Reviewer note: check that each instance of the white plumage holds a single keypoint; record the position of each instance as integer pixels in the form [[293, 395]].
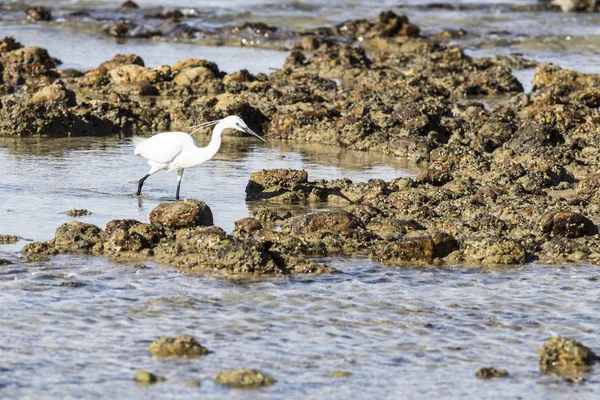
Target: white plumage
[[175, 151]]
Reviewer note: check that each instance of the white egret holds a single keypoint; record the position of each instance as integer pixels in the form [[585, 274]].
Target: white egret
[[175, 151]]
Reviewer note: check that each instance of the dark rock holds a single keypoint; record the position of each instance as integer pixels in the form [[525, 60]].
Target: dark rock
[[491, 372], [152, 233], [365, 213], [388, 24], [9, 44], [274, 178], [78, 212], [434, 177], [568, 224], [561, 249], [78, 236], [122, 59], [130, 5], [182, 214], [72, 284], [532, 136], [121, 237], [38, 14], [247, 225]]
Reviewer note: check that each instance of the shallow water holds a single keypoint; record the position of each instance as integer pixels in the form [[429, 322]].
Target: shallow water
[[43, 178], [401, 332], [92, 50]]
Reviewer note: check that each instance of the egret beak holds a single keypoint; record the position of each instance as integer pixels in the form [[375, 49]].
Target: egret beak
[[251, 132]]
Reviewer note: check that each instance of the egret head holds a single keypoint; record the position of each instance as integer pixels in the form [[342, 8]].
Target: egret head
[[235, 122]]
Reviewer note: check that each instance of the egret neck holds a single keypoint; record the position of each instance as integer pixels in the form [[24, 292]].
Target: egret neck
[[213, 147]]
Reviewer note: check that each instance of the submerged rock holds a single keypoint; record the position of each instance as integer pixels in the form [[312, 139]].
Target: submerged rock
[[565, 356], [8, 239], [147, 378], [180, 346], [244, 378], [78, 212], [491, 372], [340, 374]]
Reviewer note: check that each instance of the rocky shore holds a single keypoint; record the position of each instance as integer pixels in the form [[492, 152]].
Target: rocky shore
[[509, 185]]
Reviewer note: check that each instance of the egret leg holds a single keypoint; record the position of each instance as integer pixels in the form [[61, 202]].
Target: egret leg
[[179, 175], [141, 183]]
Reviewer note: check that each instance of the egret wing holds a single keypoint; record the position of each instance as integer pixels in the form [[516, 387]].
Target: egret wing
[[164, 147]]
